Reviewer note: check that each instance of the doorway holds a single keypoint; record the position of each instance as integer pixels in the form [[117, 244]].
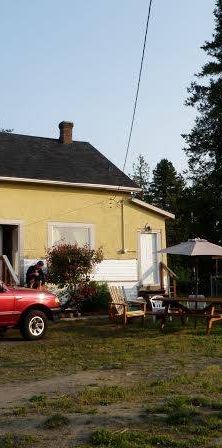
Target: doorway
[[9, 244], [148, 258]]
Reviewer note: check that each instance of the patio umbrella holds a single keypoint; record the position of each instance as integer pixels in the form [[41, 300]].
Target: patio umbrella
[[194, 248]]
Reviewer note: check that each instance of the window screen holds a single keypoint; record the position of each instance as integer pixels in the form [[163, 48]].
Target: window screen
[[70, 235]]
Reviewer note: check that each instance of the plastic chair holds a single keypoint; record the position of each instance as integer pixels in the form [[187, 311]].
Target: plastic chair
[[157, 306]]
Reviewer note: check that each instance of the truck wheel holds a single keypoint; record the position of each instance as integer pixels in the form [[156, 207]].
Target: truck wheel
[[34, 325]]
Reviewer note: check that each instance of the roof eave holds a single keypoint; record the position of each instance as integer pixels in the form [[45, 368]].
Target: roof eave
[[152, 208], [70, 184]]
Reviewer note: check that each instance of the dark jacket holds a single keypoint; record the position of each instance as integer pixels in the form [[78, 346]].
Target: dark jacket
[[30, 275]]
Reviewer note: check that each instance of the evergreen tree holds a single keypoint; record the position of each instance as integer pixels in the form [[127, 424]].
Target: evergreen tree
[[166, 191], [204, 142], [167, 186], [140, 175]]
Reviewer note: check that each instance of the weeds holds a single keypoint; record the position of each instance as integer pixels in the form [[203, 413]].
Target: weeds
[[38, 399], [139, 439], [20, 411], [56, 421], [105, 395], [61, 403], [17, 441], [85, 401]]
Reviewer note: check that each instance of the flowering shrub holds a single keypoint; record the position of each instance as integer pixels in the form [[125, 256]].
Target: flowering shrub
[[70, 266]]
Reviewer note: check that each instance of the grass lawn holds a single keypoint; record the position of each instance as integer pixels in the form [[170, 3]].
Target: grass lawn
[[137, 387]]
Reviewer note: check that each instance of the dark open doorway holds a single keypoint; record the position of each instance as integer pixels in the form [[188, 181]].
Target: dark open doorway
[[9, 244]]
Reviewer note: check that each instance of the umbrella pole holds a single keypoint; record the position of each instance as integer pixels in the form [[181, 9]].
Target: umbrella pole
[[196, 287], [197, 277], [216, 291]]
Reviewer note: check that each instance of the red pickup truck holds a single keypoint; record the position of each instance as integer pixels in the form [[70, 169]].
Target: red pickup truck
[[27, 309]]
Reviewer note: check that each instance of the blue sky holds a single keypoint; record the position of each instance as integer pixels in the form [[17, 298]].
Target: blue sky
[[78, 60]]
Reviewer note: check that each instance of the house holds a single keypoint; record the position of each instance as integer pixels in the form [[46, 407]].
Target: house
[[60, 189]]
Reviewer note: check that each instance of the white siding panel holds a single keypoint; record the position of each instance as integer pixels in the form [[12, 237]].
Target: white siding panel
[[108, 271], [117, 271]]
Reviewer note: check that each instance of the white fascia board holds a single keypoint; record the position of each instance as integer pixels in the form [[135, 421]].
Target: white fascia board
[[152, 208], [70, 184]]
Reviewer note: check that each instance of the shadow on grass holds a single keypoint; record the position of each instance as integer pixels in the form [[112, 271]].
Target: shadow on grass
[[9, 339], [97, 329], [107, 330], [19, 339]]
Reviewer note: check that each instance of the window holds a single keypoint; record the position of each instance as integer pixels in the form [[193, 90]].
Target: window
[[68, 233]]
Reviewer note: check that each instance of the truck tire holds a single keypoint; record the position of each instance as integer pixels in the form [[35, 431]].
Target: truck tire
[[34, 325]]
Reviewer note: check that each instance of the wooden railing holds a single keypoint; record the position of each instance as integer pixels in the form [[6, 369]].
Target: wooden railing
[[171, 276], [8, 275]]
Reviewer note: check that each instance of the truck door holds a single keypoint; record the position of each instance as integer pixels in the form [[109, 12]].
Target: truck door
[[7, 306]]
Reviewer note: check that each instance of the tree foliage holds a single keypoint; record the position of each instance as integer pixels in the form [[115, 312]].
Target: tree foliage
[[140, 174], [198, 204], [70, 265], [166, 187], [6, 131], [167, 191], [204, 142]]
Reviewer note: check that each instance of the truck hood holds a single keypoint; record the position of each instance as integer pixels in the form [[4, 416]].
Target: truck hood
[[33, 292]]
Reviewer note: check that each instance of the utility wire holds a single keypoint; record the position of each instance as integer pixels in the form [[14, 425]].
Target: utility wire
[[111, 200], [48, 218], [138, 84], [131, 128]]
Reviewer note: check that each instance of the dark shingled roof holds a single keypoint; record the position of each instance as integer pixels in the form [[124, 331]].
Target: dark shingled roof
[[39, 158]]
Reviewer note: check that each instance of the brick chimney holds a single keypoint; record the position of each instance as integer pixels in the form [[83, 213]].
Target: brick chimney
[[65, 132]]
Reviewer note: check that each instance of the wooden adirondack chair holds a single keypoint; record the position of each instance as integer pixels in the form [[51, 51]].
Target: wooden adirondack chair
[[118, 306]]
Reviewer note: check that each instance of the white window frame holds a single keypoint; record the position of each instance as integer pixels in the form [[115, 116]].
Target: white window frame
[[89, 227]]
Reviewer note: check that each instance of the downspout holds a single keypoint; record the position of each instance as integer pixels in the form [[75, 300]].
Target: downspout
[[123, 250]]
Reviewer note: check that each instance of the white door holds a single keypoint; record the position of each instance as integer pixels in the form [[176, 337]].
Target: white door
[[148, 259]]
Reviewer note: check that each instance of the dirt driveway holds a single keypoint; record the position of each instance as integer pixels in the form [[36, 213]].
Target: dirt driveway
[[17, 392]]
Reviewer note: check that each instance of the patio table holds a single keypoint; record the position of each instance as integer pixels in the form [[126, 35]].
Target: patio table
[[179, 307], [212, 310]]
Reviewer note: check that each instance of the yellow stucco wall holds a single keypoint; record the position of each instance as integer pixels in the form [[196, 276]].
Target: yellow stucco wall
[[36, 205]]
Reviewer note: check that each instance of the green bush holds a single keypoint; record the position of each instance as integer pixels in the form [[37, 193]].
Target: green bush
[[99, 300]]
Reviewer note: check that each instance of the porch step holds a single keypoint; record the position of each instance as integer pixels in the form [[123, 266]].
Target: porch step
[[147, 291]]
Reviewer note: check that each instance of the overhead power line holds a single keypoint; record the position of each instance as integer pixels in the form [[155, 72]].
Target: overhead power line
[[138, 84]]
